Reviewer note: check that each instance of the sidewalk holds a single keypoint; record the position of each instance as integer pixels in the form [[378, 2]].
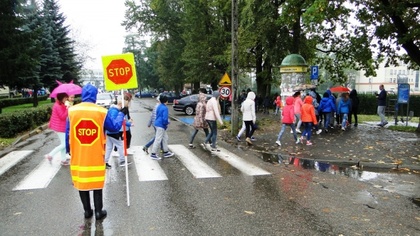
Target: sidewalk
[[365, 146]]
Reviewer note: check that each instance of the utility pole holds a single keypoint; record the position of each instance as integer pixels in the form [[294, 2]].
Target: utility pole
[[235, 113]]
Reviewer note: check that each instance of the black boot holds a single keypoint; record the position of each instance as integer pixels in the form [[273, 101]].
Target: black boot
[[84, 196], [97, 199]]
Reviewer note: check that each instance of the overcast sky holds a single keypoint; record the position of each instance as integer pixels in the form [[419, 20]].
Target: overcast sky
[[97, 23]]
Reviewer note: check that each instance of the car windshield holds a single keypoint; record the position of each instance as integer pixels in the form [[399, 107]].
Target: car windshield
[[103, 96]]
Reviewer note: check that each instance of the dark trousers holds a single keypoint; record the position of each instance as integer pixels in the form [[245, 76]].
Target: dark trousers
[[97, 200], [249, 128]]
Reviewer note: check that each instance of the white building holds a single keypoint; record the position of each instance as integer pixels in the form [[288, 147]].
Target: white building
[[94, 77], [389, 77]]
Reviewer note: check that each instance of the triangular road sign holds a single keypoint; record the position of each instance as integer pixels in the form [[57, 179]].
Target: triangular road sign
[[225, 80]]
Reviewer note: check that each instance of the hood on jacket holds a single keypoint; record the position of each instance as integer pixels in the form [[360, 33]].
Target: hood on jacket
[[353, 93], [289, 100], [308, 99], [251, 95], [89, 93], [329, 92]]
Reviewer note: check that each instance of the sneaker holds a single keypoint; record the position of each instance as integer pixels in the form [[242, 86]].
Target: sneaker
[[168, 154], [253, 139], [191, 146], [385, 123], [65, 163], [278, 143], [308, 143], [238, 138], [297, 140], [108, 166], [248, 140], [48, 157], [326, 130], [297, 131], [155, 157], [122, 163], [343, 129], [319, 131], [215, 149], [146, 150]]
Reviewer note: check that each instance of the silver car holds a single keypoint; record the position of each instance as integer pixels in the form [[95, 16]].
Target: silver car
[[105, 99]]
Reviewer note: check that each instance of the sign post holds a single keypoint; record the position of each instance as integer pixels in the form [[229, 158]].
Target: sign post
[[120, 73]]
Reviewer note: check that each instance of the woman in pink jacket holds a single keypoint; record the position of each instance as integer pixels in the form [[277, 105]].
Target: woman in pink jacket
[[58, 124], [298, 110], [288, 117], [213, 115]]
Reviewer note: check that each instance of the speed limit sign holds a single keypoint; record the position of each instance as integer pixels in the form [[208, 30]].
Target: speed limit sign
[[225, 92]]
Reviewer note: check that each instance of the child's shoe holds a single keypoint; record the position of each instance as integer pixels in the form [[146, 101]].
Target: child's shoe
[[278, 143], [308, 143]]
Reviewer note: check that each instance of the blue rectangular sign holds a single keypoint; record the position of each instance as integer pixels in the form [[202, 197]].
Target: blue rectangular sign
[[314, 72], [403, 93]]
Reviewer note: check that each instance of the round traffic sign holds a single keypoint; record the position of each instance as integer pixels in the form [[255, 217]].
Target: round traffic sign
[[225, 92], [119, 71]]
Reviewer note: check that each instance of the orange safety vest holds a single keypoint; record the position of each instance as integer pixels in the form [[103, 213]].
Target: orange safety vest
[[87, 142]]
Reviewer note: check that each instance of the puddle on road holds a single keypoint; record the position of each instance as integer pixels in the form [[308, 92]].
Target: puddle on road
[[406, 184]]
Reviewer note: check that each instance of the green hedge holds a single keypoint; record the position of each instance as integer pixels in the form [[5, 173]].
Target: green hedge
[[12, 124], [368, 104], [8, 102]]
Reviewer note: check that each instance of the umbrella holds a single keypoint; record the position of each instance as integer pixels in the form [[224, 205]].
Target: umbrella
[[69, 89], [339, 89]]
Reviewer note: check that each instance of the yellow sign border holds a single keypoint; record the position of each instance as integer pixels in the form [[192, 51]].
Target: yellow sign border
[[75, 131], [129, 58]]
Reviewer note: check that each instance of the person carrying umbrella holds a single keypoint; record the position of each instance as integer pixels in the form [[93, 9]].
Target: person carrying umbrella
[[58, 124]]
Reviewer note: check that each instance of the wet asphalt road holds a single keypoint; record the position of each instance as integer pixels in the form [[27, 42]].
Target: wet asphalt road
[[298, 198]]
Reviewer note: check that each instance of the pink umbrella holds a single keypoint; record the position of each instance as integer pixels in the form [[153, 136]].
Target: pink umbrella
[[69, 89]]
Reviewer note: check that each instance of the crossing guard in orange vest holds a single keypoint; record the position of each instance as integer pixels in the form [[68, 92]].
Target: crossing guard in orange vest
[[85, 138]]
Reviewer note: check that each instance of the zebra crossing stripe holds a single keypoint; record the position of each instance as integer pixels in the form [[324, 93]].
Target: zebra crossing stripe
[[239, 163], [42, 175], [11, 159], [195, 165], [147, 168]]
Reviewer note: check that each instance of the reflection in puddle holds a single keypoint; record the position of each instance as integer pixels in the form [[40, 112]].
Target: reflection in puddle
[[402, 183]]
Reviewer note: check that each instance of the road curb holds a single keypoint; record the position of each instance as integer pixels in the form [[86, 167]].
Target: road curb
[[32, 133]]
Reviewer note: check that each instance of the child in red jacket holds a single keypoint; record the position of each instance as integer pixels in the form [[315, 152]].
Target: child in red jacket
[[308, 119], [288, 117]]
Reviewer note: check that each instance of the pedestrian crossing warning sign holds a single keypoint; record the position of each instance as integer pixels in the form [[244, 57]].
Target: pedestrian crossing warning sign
[[225, 81]]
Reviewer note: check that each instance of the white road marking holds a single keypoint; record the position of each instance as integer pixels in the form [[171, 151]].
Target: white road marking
[[11, 159], [195, 165], [239, 163], [147, 168], [42, 175]]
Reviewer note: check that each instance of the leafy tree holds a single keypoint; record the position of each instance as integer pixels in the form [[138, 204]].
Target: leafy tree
[[59, 57], [18, 51]]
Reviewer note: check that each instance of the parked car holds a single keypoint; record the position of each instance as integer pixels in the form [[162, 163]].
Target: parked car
[[187, 104], [105, 99], [144, 94], [171, 96]]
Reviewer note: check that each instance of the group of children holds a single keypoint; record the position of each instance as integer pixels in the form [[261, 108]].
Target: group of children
[[313, 110]]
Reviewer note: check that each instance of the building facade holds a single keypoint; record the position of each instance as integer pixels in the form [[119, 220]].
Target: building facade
[[390, 77]]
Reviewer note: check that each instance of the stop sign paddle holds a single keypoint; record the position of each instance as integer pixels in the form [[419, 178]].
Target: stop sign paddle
[[119, 71]]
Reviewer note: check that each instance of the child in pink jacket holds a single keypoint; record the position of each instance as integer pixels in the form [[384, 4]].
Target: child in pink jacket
[[288, 117], [58, 124]]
